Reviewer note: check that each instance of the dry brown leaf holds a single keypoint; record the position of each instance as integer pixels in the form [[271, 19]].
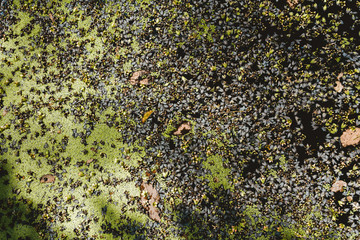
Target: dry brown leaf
[[117, 49], [340, 76], [144, 81], [292, 3], [52, 18], [4, 112], [350, 137], [146, 116], [89, 161], [149, 198], [135, 78], [338, 186], [184, 128], [339, 87], [48, 178]]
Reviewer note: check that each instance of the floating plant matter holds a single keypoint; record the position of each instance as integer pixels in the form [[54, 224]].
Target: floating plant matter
[[242, 116]]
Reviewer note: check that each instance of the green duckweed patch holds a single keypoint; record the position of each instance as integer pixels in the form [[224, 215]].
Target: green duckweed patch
[[219, 174]]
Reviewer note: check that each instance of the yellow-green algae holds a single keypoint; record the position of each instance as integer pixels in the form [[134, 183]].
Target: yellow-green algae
[[28, 185], [219, 174]]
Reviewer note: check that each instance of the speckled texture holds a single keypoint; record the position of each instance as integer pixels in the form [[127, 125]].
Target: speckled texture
[[235, 120]]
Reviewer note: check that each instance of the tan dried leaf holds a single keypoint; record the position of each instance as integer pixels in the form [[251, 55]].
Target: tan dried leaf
[[339, 87], [292, 3], [117, 49], [144, 81], [89, 161], [146, 115], [183, 128], [338, 186], [135, 78], [350, 137], [149, 198], [4, 112], [52, 18], [340, 76], [48, 178]]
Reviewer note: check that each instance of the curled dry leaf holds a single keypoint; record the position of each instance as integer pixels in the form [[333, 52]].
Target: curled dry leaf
[[340, 76], [149, 198], [338, 186], [4, 112], [117, 49], [339, 87], [144, 81], [52, 18], [48, 178], [350, 137], [184, 128], [136, 78], [146, 116], [89, 161], [292, 3]]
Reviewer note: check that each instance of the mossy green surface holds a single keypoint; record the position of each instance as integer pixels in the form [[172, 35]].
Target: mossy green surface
[[219, 174], [81, 191]]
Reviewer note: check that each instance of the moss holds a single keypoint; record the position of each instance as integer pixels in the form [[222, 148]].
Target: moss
[[283, 162], [127, 67], [219, 174], [20, 231], [286, 232]]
